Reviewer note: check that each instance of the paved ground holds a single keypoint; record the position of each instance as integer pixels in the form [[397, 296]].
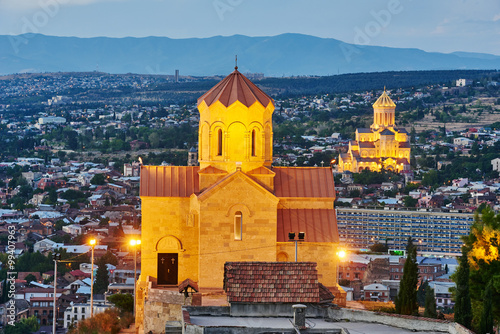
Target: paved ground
[[285, 324]]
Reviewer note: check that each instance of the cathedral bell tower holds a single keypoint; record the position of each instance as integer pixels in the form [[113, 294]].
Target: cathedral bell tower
[[235, 131]]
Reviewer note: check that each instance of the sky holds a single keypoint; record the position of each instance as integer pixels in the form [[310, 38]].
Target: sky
[[430, 25]]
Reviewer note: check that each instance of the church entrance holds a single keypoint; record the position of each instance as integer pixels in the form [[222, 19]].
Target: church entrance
[[167, 268]]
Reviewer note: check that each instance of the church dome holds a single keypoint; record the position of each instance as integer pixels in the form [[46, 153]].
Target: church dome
[[235, 87], [384, 101]]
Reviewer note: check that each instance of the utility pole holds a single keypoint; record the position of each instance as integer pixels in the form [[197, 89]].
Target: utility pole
[[57, 257]]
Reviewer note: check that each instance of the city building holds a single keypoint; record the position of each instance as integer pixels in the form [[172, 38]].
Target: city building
[[43, 309], [382, 146], [234, 206], [433, 232], [80, 311]]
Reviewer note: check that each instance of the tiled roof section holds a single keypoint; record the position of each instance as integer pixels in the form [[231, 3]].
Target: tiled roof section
[[319, 225], [303, 182], [235, 87], [188, 283], [169, 181], [364, 130], [325, 295], [271, 282]]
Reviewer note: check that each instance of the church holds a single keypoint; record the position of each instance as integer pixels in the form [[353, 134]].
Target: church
[[382, 146], [235, 206]]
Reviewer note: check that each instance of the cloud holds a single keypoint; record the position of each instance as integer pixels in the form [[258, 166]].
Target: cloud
[[496, 17]]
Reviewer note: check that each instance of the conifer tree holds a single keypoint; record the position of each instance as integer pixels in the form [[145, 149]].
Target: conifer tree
[[422, 293], [463, 308], [430, 304], [406, 303], [101, 277], [486, 324]]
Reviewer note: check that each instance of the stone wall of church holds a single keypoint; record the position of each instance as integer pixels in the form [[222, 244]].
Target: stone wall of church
[[217, 239], [323, 253], [169, 226]]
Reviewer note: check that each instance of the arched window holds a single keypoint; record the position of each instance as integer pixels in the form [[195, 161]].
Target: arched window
[[253, 144], [219, 142], [238, 225]]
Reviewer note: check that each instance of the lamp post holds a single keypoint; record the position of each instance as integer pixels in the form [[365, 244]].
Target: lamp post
[[134, 243], [92, 243], [340, 255], [57, 257], [291, 238]]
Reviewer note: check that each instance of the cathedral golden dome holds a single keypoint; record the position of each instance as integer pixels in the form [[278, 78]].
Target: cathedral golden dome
[[384, 101]]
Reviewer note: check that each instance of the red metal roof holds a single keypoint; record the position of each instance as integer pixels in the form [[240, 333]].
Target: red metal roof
[[235, 87], [271, 282], [169, 181], [319, 225], [303, 182]]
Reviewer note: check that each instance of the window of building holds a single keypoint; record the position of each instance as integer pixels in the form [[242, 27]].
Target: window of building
[[68, 317], [219, 142], [253, 144], [83, 309], [238, 225], [347, 275]]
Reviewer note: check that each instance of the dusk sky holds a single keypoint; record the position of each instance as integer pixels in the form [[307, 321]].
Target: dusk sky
[[430, 25]]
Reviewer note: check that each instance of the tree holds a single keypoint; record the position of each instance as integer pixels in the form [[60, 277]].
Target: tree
[[378, 248], [463, 308], [406, 303], [486, 324], [430, 304], [30, 278], [422, 292], [124, 301], [101, 277], [484, 260], [98, 179], [24, 326], [410, 202]]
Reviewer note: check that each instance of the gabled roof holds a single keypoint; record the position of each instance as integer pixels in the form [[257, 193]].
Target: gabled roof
[[169, 181], [319, 225], [235, 87], [219, 185], [271, 282], [261, 171], [303, 182], [387, 132], [364, 130]]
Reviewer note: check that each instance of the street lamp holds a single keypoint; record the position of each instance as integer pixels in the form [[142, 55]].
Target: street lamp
[[291, 238], [92, 243], [56, 257], [134, 243], [340, 254]]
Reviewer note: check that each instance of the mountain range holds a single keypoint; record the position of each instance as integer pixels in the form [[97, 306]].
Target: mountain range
[[281, 55]]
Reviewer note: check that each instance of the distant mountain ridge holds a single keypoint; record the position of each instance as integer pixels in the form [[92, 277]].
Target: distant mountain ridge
[[281, 55]]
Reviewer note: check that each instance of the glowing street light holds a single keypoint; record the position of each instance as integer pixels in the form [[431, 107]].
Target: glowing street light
[[340, 255], [92, 243], [134, 243]]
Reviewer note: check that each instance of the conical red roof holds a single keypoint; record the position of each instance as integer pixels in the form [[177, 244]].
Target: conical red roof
[[235, 87]]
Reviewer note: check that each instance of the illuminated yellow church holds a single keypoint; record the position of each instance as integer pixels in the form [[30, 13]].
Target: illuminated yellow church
[[382, 146], [234, 206]]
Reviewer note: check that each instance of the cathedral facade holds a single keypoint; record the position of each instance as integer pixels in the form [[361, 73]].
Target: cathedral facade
[[382, 146], [234, 206]]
